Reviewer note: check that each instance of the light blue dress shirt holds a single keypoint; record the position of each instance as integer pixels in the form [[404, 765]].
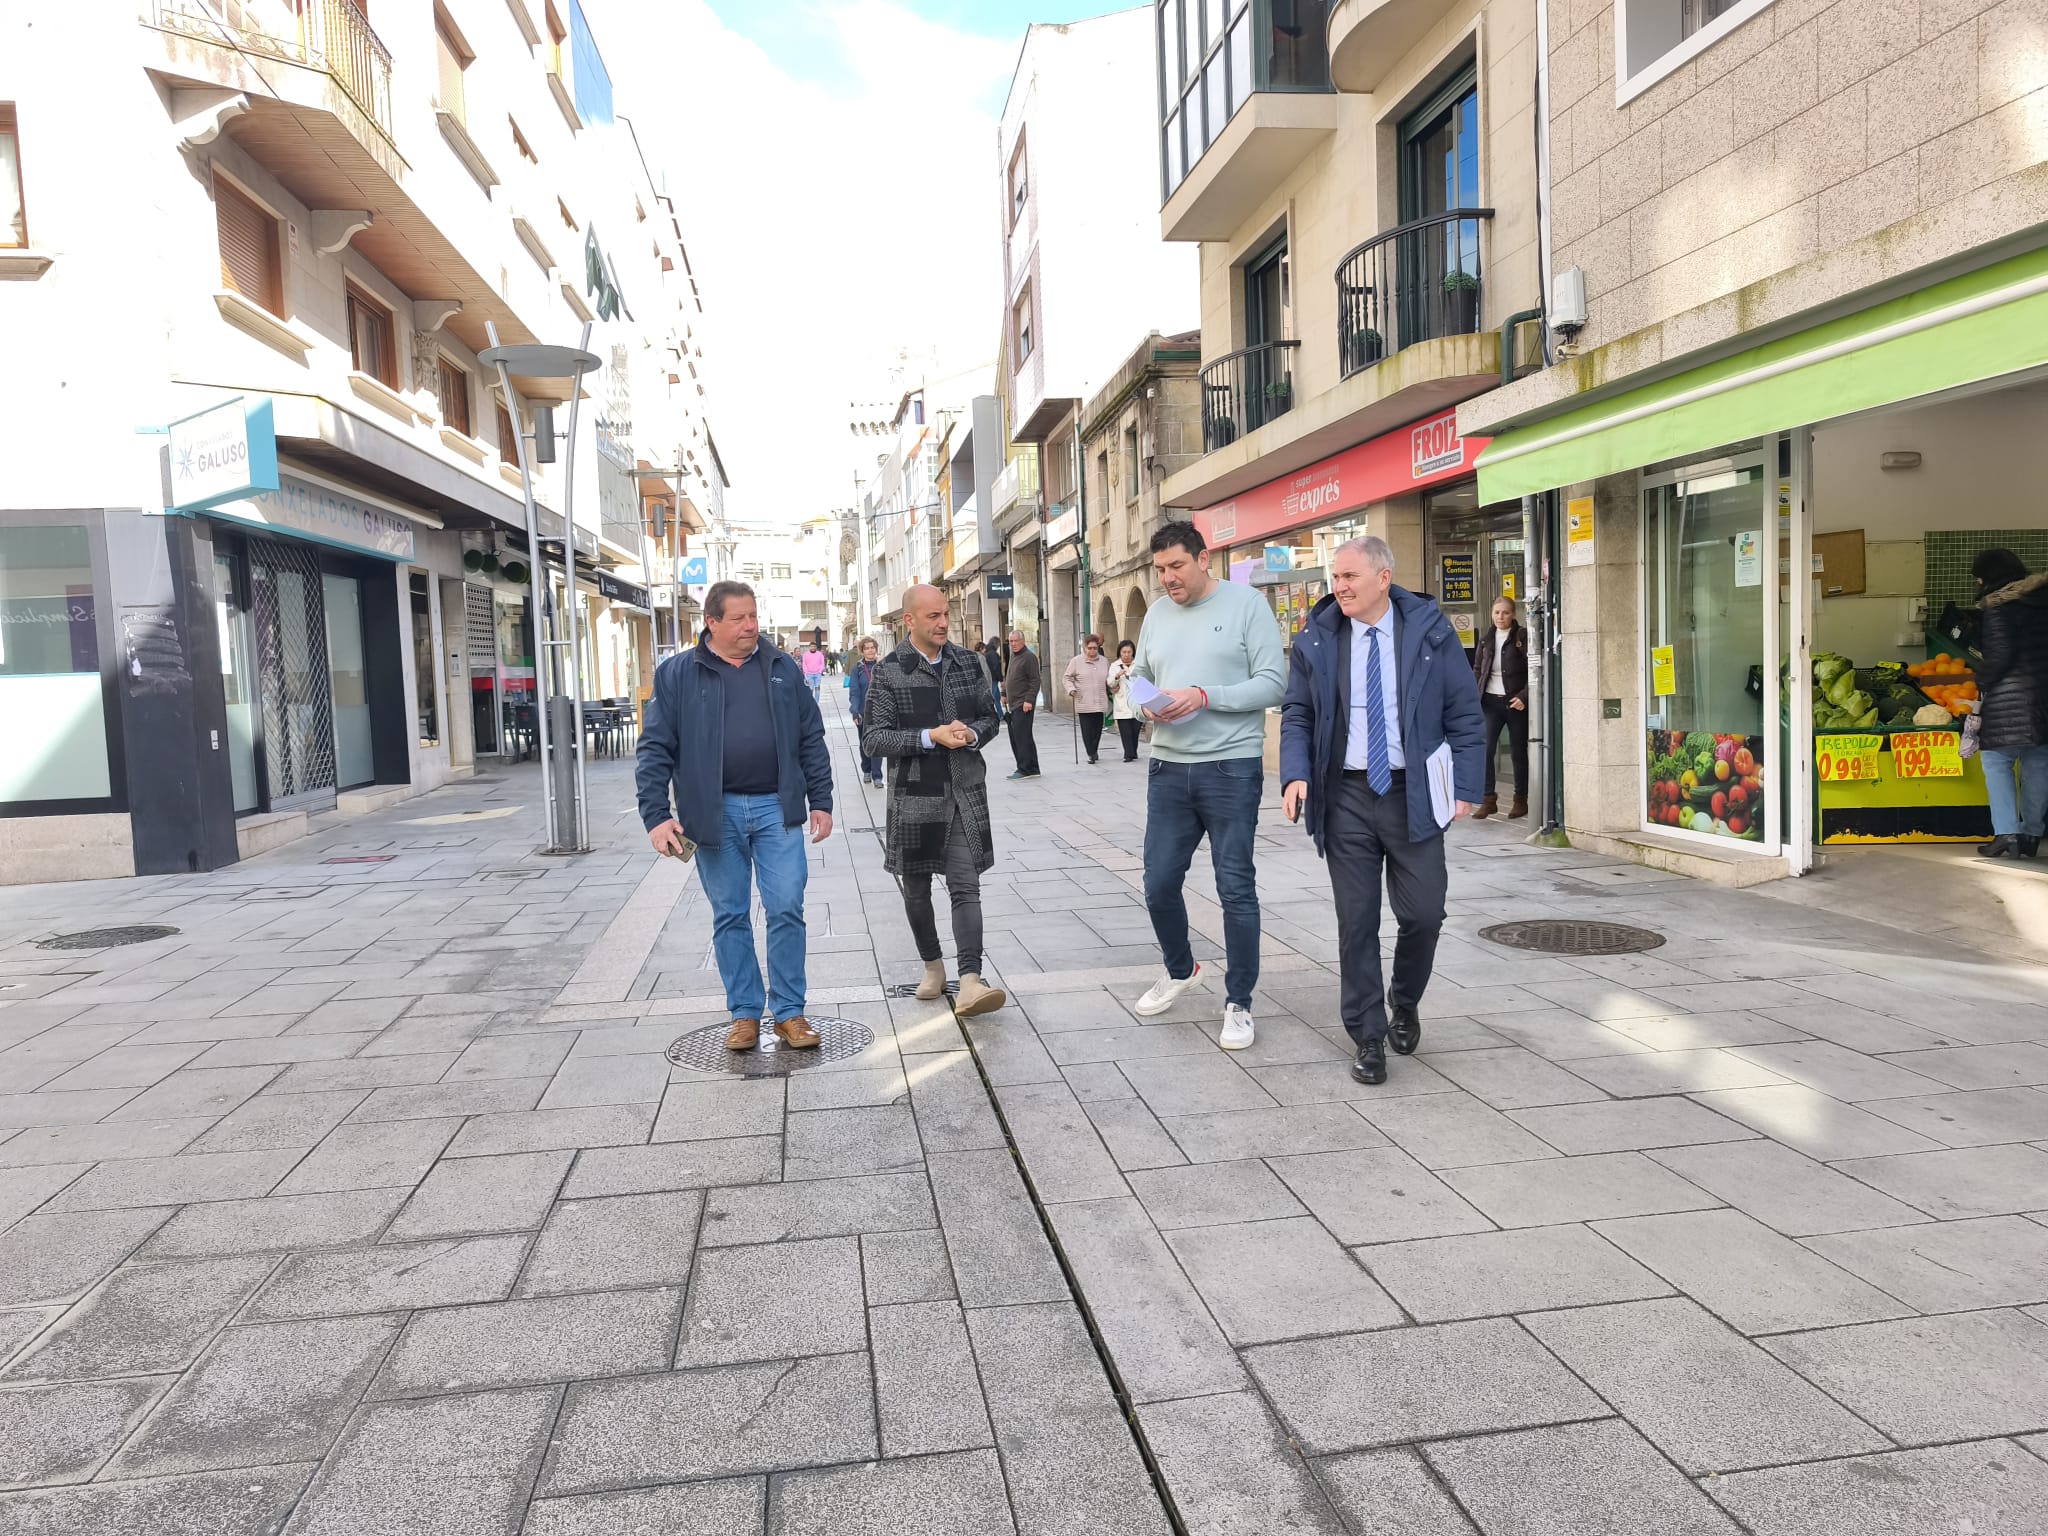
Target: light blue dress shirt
[[1390, 692]]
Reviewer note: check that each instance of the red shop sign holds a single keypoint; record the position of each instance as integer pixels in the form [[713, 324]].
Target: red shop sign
[[1423, 453]]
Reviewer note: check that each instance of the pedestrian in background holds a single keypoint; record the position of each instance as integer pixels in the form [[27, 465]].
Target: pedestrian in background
[[1020, 693], [2012, 683], [1377, 684], [1215, 653], [858, 679], [1087, 684], [814, 669], [1127, 721], [736, 739], [1500, 662], [996, 655], [928, 713]]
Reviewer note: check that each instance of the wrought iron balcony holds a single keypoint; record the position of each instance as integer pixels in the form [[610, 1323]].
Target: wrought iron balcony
[[332, 36], [1416, 282], [1244, 390]]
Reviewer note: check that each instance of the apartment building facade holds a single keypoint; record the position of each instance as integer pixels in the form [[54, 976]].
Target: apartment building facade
[[263, 554], [1800, 373], [1361, 182]]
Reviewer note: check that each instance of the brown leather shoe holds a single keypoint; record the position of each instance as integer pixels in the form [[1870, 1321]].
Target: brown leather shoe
[[796, 1034], [744, 1035], [1490, 806], [1519, 808]]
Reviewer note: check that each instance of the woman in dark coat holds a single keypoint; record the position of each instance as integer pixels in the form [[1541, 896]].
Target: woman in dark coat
[[2012, 682], [1500, 660]]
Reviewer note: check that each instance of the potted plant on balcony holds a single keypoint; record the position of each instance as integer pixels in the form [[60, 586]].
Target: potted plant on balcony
[[1362, 348], [1279, 392], [1222, 432], [1461, 303]]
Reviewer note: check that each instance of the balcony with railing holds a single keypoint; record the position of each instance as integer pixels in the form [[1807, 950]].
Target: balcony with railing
[[1414, 283], [329, 37], [1017, 482], [1244, 390], [1369, 37]]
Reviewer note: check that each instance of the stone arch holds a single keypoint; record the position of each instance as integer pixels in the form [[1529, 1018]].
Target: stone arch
[[1105, 624], [1134, 614]]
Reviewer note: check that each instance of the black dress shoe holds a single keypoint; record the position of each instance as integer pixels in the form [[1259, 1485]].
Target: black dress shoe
[[2003, 846], [1404, 1029], [1371, 1066], [2030, 847]]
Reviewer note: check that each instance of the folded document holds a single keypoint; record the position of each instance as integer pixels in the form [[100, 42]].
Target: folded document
[[1443, 794]]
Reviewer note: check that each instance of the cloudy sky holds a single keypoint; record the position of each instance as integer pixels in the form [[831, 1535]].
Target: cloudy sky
[[834, 166]]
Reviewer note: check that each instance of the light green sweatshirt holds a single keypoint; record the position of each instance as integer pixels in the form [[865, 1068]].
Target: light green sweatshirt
[[1229, 644]]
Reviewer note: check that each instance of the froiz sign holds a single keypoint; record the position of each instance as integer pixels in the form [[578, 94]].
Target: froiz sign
[[1435, 445], [223, 453]]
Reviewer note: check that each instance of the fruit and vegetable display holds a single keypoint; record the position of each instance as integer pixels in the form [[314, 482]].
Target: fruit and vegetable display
[[1704, 782], [1888, 696]]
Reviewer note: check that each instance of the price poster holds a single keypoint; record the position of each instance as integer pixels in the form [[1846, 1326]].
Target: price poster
[[1846, 759], [1927, 755], [1578, 531], [1663, 671]]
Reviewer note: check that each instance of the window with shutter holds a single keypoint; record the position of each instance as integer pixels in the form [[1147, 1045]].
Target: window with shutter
[[249, 261], [13, 220], [373, 346], [453, 393], [508, 449]]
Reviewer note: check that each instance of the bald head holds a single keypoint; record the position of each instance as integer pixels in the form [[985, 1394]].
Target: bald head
[[924, 609]]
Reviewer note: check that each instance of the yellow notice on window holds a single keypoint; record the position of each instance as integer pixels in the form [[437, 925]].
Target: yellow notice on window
[[1846, 759], [1507, 584], [1578, 531], [1927, 754], [1663, 671]]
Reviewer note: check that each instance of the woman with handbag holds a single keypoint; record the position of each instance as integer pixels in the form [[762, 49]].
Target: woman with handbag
[[1127, 721]]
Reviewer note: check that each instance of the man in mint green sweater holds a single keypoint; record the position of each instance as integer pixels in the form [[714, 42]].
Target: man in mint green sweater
[[1214, 652]]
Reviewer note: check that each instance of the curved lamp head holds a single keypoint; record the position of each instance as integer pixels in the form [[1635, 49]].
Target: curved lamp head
[[537, 360]]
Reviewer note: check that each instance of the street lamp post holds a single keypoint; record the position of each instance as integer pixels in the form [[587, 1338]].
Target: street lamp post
[[562, 783]]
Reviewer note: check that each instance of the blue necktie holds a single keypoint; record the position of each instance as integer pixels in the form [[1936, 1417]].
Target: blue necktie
[[1377, 773]]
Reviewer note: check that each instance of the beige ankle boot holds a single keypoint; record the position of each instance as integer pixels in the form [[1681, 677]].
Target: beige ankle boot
[[977, 996], [934, 984]]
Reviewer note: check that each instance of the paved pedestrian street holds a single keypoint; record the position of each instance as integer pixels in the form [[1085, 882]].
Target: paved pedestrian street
[[367, 1202]]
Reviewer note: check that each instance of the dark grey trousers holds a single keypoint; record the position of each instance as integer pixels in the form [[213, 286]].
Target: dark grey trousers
[[1364, 834], [963, 887]]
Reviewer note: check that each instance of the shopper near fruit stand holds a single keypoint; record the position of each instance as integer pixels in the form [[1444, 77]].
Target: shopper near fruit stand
[[1127, 721], [1087, 684], [2012, 680], [1500, 661], [1378, 694]]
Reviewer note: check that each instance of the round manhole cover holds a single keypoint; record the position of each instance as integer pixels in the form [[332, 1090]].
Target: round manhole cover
[[1573, 937], [108, 938], [704, 1049]]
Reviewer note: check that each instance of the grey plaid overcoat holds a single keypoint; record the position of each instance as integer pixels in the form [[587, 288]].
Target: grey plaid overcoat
[[905, 698]]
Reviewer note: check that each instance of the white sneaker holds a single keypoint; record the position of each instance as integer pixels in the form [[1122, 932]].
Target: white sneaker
[[1166, 991], [1237, 1027]]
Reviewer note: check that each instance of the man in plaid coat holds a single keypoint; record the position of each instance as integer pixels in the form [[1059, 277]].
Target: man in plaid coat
[[928, 714]]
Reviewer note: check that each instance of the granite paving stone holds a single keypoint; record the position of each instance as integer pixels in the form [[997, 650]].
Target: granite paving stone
[[98, 1143], [1231, 1469], [65, 1433], [625, 1240], [23, 1189], [193, 1091], [1629, 1125], [706, 1111], [1962, 1376], [1836, 1070], [145, 1318], [1784, 1189], [1132, 1134], [852, 1089], [1996, 1180], [498, 1056], [728, 1507], [1509, 1077], [1706, 1031], [265, 1394], [905, 1266], [1269, 1280], [552, 1130], [1390, 1493], [60, 1257], [772, 1213], [954, 1495], [428, 1101], [1062, 1152], [773, 1300], [1708, 1398], [280, 1050], [524, 1343], [377, 1156], [925, 1381], [175, 1180], [1817, 1125], [284, 1120], [832, 1143], [469, 1195], [1376, 1195], [1558, 1034], [251, 1501], [1574, 1477], [127, 1066], [1974, 1118], [1663, 1072], [1362, 1390], [1989, 1486], [1213, 1194], [2021, 1065], [1606, 1184], [995, 1238], [395, 1277], [607, 1080], [18, 1326], [1006, 1054], [1990, 1261], [1330, 1081], [1162, 1337], [396, 1463], [951, 1106], [674, 1165], [1131, 1042], [1489, 1274], [1240, 1133], [25, 1110], [1452, 1130], [679, 1425], [275, 1223], [1194, 1085], [1067, 1454], [364, 1072]]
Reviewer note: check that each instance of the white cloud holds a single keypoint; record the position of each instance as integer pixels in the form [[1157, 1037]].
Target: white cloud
[[828, 228]]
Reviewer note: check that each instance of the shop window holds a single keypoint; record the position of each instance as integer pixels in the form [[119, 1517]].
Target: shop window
[[13, 217], [426, 690], [372, 341], [452, 57], [1654, 37], [250, 261], [451, 392], [54, 750]]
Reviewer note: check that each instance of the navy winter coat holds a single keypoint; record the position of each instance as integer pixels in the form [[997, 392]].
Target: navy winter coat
[[1439, 702], [859, 678], [684, 743]]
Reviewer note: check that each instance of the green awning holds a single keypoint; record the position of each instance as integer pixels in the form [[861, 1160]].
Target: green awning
[[1982, 325]]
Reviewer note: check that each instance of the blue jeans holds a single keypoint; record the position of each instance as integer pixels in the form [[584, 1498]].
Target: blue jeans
[[757, 850], [1183, 801], [2023, 811]]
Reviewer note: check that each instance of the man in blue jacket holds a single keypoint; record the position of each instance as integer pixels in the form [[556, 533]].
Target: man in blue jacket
[[735, 734], [1378, 682]]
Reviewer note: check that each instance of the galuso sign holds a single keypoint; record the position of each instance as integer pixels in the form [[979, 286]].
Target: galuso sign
[[222, 453], [1410, 458], [307, 510]]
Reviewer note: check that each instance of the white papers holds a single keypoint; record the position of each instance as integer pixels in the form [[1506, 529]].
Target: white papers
[[1143, 694], [1443, 796]]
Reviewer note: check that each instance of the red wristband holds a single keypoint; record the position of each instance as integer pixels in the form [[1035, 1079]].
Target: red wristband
[[1205, 695]]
